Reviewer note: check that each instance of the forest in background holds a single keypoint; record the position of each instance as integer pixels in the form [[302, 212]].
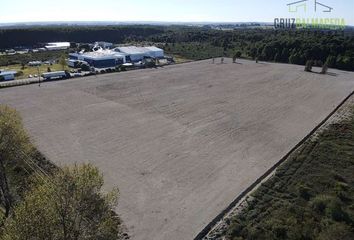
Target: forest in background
[[336, 48]]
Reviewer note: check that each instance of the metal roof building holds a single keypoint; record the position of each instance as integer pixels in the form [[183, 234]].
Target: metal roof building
[[155, 52], [138, 53], [100, 58], [104, 58]]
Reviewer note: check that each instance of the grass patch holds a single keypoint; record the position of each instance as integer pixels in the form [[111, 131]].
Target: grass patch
[[311, 196], [33, 70]]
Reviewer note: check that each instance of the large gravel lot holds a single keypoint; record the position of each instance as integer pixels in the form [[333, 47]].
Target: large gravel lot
[[180, 142]]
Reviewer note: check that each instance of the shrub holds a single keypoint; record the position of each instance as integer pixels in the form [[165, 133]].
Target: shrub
[[235, 56], [336, 231], [280, 231], [18, 74], [304, 192], [320, 202], [68, 205], [336, 212]]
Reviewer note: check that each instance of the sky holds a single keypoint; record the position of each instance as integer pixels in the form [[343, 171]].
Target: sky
[[166, 10]]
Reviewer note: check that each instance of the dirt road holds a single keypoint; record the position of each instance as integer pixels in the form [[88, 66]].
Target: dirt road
[[181, 142]]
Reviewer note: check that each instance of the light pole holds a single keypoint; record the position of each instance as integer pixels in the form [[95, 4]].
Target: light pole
[[39, 77]]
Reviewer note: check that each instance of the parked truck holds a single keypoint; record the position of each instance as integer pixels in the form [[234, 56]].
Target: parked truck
[[55, 75]]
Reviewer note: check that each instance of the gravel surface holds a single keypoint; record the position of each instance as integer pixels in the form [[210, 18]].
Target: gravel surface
[[181, 142]]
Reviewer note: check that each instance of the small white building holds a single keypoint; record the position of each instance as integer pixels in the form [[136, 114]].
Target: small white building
[[7, 75], [57, 46]]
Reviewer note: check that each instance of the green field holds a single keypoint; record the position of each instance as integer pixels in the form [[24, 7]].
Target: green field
[[310, 197]]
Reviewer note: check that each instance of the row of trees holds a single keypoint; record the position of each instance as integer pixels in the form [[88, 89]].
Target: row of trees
[[39, 201], [286, 46]]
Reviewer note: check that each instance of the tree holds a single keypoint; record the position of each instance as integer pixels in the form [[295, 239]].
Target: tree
[[68, 205], [15, 146], [236, 55], [268, 53], [324, 68], [297, 58], [62, 61], [308, 66], [277, 57], [345, 62], [253, 52], [23, 64], [331, 61], [285, 55]]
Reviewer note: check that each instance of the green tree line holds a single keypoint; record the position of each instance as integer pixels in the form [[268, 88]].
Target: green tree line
[[295, 46], [285, 46], [33, 36]]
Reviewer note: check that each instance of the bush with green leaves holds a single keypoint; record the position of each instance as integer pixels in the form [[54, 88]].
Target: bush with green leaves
[[70, 205]]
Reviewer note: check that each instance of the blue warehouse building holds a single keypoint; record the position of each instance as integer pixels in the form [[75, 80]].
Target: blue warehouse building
[[99, 59]]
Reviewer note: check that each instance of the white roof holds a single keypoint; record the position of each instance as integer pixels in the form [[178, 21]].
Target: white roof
[[133, 50], [102, 54], [58, 44], [106, 43], [153, 48], [3, 73]]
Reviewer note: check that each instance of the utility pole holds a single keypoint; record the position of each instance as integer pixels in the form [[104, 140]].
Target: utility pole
[[39, 77]]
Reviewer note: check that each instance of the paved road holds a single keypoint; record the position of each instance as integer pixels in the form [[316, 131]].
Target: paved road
[[181, 142]]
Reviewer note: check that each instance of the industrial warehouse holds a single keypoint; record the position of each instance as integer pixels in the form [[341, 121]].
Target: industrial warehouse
[[83, 59], [102, 58]]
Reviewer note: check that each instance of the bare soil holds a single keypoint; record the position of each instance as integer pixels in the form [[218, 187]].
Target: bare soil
[[183, 141]]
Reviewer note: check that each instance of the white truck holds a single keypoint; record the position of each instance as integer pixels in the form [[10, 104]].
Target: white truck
[[54, 75]]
